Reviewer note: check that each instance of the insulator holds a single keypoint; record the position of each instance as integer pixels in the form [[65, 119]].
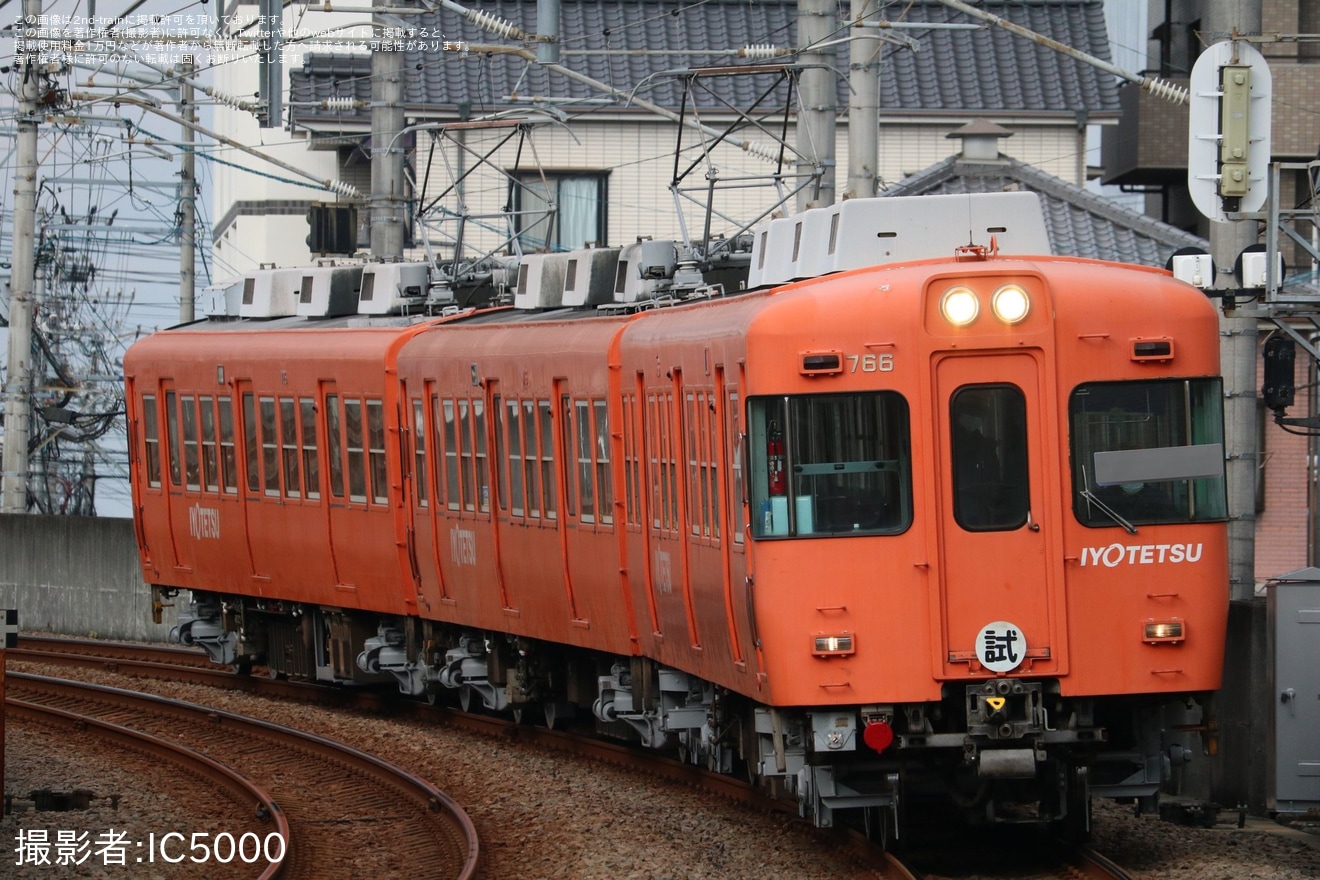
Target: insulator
[[762, 51], [761, 151], [1160, 88], [231, 101], [340, 103], [495, 25], [342, 188]]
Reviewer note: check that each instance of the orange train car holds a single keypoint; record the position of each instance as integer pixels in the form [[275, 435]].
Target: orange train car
[[946, 530]]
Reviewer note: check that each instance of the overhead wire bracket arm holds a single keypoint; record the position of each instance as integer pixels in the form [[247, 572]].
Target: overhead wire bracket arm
[[1174, 94]]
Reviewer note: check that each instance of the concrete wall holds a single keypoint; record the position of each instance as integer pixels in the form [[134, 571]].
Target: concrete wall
[[76, 576]]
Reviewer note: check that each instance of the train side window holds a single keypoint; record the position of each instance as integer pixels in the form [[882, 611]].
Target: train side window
[[666, 464], [210, 448], [736, 439], [465, 455], [989, 444], [585, 476], [250, 443], [703, 493], [228, 454], [480, 457], [829, 465], [532, 461], [270, 446], [419, 454], [517, 473], [376, 451], [311, 470], [451, 456], [604, 488], [655, 431], [289, 447], [696, 481], [713, 467], [442, 416], [357, 479], [151, 440], [188, 412], [547, 459], [499, 464], [172, 436], [630, 512], [333, 445], [570, 454]]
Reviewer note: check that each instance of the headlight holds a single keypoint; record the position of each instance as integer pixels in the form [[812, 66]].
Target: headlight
[[1010, 303], [959, 306], [1171, 630]]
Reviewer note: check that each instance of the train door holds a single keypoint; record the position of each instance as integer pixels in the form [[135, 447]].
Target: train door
[[998, 583]]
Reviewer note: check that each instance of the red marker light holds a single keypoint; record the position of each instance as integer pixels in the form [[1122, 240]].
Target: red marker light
[[878, 735]]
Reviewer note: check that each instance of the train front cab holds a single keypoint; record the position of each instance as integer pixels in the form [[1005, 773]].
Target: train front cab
[[938, 570]]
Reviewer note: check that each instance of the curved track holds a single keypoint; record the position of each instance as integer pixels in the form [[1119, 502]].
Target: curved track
[[185, 664], [334, 800]]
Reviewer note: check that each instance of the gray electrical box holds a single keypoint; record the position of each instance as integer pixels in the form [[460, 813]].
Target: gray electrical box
[[1293, 608]]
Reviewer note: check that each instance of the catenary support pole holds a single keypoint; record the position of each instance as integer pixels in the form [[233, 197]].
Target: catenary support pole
[[23, 262]]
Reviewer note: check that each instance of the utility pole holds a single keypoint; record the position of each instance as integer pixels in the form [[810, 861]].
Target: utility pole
[[387, 147], [187, 197], [1237, 331], [864, 102], [18, 382], [817, 23]]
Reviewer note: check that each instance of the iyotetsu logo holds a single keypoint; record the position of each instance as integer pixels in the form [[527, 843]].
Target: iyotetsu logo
[[1141, 554], [204, 522]]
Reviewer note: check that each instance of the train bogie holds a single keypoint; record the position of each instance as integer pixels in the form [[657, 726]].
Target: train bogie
[[942, 528]]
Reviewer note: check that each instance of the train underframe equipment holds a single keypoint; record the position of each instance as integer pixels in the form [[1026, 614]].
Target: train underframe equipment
[[1002, 750]]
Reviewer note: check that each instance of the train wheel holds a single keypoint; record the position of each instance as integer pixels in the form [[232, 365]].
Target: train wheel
[[551, 714], [466, 698], [1075, 827], [241, 667], [432, 695]]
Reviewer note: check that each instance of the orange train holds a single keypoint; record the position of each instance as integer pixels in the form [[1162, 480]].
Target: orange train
[[944, 530]]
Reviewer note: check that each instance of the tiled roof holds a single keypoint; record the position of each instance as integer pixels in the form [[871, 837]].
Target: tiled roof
[[986, 70], [1079, 222]]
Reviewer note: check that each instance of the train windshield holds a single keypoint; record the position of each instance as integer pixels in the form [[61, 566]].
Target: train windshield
[[1148, 452], [829, 465]]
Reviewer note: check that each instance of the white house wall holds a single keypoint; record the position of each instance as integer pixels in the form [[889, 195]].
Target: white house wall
[[636, 153], [281, 239]]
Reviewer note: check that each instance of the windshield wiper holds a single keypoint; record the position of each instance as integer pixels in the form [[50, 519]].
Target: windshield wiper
[[1108, 511]]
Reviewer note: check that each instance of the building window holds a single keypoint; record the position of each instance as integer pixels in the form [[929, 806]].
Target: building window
[[559, 212]]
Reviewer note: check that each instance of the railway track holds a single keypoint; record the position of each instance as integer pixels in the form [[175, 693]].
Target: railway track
[[190, 665], [329, 802]]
